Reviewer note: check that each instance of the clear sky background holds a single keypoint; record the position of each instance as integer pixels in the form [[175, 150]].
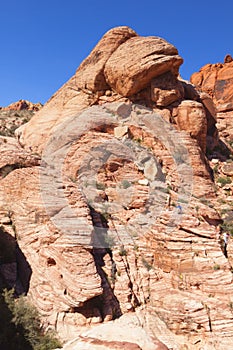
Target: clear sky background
[[43, 42]]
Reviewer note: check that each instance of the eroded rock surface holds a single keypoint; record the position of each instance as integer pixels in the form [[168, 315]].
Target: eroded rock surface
[[122, 64], [136, 62], [113, 203]]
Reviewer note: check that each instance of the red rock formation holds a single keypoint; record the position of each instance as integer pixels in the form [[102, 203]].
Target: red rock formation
[[191, 117], [120, 217], [90, 74], [136, 62], [107, 76], [166, 89], [21, 105], [15, 115], [217, 81]]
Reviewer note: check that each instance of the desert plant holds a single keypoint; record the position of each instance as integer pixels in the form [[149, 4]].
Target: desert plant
[[227, 226], [138, 140], [125, 184], [224, 180], [22, 328], [123, 251], [100, 186], [216, 168], [146, 264]]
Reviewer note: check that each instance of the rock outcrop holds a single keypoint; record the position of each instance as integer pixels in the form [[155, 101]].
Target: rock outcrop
[[124, 333], [22, 105], [90, 74], [114, 70], [135, 63], [217, 81], [15, 115], [191, 117], [113, 203]]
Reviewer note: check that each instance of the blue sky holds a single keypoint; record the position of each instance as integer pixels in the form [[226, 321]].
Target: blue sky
[[43, 42]]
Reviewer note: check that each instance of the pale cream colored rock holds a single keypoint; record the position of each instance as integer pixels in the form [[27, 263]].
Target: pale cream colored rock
[[5, 220], [150, 170], [125, 333], [121, 131], [143, 182], [227, 169]]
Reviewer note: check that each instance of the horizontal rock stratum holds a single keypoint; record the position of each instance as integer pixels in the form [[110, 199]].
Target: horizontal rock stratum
[[114, 205]]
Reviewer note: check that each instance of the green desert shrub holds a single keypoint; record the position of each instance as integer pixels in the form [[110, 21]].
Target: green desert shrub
[[224, 180], [21, 327], [125, 184]]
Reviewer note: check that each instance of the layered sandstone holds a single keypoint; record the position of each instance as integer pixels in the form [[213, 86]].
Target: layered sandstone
[[149, 58], [116, 212], [116, 68]]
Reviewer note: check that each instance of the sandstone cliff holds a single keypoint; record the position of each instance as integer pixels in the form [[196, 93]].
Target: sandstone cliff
[[112, 200]]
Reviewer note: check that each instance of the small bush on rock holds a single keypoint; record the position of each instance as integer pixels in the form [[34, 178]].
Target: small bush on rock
[[21, 327]]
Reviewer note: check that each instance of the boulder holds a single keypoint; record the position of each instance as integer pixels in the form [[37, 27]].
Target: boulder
[[120, 131], [136, 62], [227, 169]]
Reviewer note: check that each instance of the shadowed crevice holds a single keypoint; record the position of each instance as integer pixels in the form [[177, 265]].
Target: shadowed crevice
[[109, 304]]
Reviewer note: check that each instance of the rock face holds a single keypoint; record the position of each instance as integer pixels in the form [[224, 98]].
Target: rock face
[[166, 89], [217, 81], [113, 203], [121, 64], [191, 117], [90, 75]]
